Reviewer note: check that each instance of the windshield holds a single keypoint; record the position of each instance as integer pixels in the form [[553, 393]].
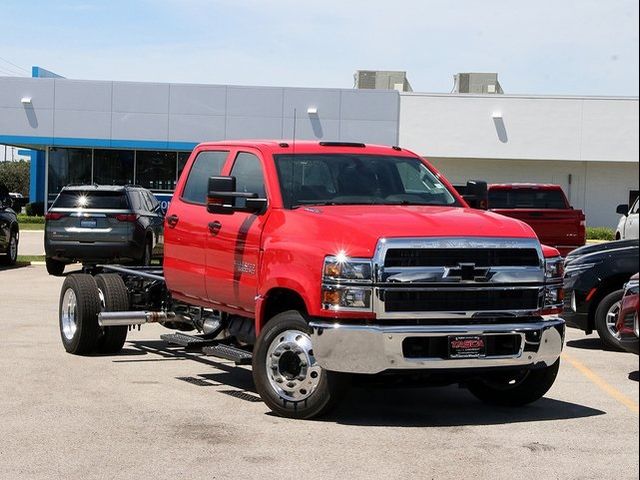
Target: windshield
[[344, 179], [526, 198]]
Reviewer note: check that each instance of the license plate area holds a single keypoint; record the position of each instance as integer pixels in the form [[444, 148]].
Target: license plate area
[[467, 346], [88, 223]]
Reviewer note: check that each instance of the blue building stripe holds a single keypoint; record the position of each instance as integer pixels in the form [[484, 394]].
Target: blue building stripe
[[26, 141]]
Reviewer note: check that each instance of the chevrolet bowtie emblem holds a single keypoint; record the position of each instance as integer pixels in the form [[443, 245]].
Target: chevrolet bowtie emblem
[[468, 272]]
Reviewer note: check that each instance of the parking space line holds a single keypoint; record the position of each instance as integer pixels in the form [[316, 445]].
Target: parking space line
[[601, 383]]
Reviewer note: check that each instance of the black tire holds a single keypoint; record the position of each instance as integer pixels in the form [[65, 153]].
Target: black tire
[[78, 314], [606, 335], [54, 267], [114, 298], [147, 253], [12, 250], [330, 386], [528, 386]]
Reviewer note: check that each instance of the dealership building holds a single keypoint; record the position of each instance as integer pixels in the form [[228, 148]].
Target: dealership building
[[126, 132]]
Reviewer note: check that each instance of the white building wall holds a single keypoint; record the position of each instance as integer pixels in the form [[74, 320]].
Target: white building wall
[[534, 128]]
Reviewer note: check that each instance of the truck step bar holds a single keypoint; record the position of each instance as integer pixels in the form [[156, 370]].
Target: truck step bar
[[190, 342], [229, 352]]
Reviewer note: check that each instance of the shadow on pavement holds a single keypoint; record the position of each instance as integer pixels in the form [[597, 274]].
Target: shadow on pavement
[[590, 344], [444, 407], [374, 406], [14, 267]]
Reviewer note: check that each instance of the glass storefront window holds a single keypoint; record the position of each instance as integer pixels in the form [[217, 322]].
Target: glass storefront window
[[67, 166], [182, 161], [113, 167], [156, 170]]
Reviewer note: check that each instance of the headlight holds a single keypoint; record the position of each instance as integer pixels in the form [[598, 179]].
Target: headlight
[[553, 299], [631, 288], [346, 283], [353, 298], [340, 268], [553, 267]]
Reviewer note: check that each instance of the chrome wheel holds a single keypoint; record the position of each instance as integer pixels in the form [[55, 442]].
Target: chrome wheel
[[612, 317], [291, 367], [68, 314]]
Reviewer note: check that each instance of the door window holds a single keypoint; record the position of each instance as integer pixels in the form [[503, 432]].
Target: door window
[[249, 176], [206, 164]]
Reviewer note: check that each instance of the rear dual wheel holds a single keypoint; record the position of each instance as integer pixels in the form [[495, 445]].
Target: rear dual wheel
[[81, 299]]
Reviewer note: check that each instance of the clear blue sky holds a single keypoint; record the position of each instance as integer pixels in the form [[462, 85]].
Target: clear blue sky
[[538, 47]]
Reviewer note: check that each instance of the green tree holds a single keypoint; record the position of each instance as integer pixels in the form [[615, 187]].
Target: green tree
[[15, 176]]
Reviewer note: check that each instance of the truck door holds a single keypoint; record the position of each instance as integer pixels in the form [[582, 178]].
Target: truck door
[[233, 245], [186, 231]]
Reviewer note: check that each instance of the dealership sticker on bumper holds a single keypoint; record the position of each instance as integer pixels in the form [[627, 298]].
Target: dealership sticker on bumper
[[466, 346]]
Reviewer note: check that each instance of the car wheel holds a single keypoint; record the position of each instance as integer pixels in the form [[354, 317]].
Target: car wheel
[[78, 314], [606, 317], [286, 374], [146, 254], [515, 388], [114, 297], [54, 267], [12, 250]]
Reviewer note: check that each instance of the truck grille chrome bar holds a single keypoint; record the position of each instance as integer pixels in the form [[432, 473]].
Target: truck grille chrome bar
[[457, 277]]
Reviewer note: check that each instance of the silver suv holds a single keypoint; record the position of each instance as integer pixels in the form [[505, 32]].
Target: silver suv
[[100, 224]]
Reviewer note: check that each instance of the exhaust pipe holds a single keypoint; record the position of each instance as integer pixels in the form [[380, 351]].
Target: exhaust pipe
[[122, 319]]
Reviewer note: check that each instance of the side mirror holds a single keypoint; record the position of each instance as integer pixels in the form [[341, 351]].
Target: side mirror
[[623, 209], [475, 194], [6, 202], [222, 195]]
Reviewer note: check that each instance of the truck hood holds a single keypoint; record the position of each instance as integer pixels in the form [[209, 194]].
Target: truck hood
[[357, 228]]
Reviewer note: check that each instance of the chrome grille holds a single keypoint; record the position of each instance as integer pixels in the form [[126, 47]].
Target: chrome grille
[[457, 277], [449, 257]]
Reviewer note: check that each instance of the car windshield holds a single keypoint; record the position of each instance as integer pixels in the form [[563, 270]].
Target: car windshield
[[345, 179], [526, 198], [91, 199]]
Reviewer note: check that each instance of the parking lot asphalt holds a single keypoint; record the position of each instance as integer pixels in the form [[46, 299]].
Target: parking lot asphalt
[[153, 411]]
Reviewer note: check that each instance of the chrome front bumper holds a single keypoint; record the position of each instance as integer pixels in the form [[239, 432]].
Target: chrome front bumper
[[376, 348]]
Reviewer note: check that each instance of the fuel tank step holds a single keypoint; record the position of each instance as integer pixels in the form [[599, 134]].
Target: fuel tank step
[[229, 352], [190, 342]]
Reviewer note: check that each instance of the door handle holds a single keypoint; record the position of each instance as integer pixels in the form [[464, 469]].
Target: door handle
[[214, 227], [172, 221]]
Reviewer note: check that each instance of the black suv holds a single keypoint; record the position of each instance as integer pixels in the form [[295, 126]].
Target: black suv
[[100, 224], [9, 230], [594, 279]]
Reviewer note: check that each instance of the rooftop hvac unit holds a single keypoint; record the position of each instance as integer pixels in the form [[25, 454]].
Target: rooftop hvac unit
[[476, 83], [382, 80]]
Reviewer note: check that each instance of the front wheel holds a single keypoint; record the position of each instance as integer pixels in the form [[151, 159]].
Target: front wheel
[[606, 317], [286, 374], [515, 388]]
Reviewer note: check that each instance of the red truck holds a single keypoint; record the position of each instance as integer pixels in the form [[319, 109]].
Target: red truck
[[314, 262], [543, 206]]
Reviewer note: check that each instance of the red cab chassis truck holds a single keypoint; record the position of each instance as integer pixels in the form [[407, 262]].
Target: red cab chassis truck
[[317, 261]]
